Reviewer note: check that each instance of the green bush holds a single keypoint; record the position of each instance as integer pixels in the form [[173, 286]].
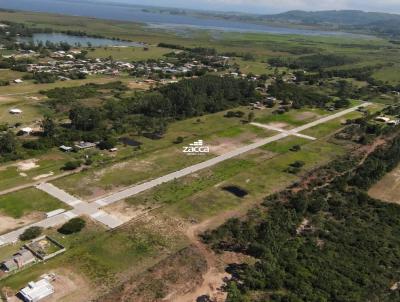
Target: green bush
[[72, 165], [31, 233], [75, 225]]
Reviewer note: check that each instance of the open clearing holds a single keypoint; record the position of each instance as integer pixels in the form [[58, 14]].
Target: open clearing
[[27, 201], [388, 188]]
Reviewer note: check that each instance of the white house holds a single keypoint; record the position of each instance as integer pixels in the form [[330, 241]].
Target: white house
[[27, 130], [15, 111], [36, 291], [18, 81], [382, 119]]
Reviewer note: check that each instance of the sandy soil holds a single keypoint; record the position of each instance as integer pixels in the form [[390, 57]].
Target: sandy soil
[[134, 85], [126, 212], [223, 145], [388, 188], [41, 176], [5, 99], [308, 115], [70, 287], [27, 165], [8, 223]]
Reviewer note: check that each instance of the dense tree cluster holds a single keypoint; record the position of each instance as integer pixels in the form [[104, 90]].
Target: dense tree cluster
[[299, 95], [331, 243]]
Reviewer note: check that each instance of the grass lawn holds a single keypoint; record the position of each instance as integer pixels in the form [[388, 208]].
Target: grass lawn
[[129, 53], [260, 173], [26, 201], [28, 87], [105, 257], [293, 118], [31, 110], [158, 157], [10, 75], [328, 128], [388, 74], [10, 175]]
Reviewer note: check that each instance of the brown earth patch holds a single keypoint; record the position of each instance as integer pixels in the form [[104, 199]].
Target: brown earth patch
[[178, 273], [307, 115], [388, 188], [8, 223], [125, 212]]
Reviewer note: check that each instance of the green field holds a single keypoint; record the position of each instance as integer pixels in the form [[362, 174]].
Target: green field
[[128, 251], [388, 74], [26, 201], [129, 53]]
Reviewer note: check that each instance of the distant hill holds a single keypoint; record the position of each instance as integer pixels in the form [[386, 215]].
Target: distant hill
[[337, 17], [378, 23]]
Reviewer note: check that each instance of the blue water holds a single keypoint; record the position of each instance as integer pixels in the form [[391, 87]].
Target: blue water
[[124, 12], [75, 40]]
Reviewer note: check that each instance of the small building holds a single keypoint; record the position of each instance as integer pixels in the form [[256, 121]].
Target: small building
[[393, 122], [65, 148], [36, 291], [20, 259], [26, 130], [382, 119], [18, 81], [85, 145], [15, 111]]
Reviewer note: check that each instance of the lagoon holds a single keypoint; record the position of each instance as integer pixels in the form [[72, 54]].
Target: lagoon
[[135, 13]]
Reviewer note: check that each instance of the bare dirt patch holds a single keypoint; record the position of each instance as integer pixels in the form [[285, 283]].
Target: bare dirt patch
[[126, 212], [27, 165], [388, 188], [5, 99], [140, 85], [223, 145], [307, 115], [41, 176], [8, 223], [177, 273], [70, 287]]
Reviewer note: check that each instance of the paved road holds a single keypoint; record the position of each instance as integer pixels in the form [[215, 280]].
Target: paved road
[[93, 209], [214, 161], [289, 132]]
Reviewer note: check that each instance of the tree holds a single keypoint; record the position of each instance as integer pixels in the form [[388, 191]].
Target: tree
[[107, 143], [49, 127], [31, 233], [75, 225], [72, 165], [8, 143], [250, 116]]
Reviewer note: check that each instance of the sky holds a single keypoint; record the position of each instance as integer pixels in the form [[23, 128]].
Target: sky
[[275, 6]]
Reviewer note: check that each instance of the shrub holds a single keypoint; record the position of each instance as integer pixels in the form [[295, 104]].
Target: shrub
[[72, 165], [31, 233], [75, 225], [179, 140], [295, 148]]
